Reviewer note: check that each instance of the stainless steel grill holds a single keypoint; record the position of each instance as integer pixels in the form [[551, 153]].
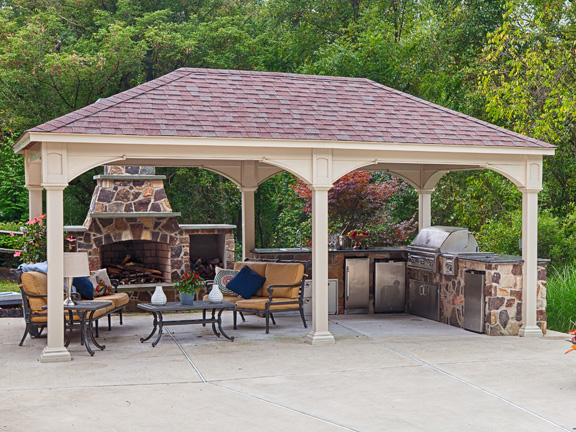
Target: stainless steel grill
[[436, 241]]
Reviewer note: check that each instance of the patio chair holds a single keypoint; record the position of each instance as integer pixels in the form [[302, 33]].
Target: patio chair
[[33, 286]]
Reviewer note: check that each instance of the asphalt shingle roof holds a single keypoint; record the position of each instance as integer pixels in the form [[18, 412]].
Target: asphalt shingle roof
[[263, 105]]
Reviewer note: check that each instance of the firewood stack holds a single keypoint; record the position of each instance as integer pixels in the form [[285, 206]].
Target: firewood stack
[[207, 268], [131, 272]]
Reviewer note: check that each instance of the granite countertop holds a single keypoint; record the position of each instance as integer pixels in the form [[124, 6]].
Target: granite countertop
[[263, 251]]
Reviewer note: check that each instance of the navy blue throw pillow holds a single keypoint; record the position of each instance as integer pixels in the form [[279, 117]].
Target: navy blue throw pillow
[[84, 287], [246, 282]]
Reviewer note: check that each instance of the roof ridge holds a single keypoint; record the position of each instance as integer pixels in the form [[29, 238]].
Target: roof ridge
[[284, 74], [457, 113]]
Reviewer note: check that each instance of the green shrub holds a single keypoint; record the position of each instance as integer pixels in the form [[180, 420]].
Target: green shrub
[[556, 237], [561, 298], [7, 241]]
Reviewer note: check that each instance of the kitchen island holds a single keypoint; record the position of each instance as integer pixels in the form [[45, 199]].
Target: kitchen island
[[502, 279]]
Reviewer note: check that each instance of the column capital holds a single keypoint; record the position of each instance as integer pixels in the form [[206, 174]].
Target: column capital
[[424, 191], [54, 187], [248, 188], [530, 190], [35, 187], [320, 188]]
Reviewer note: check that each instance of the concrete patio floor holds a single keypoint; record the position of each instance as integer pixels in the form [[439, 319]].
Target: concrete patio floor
[[385, 373]]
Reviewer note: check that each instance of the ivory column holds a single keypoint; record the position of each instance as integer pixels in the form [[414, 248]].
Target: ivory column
[[248, 225], [530, 258], [55, 349], [424, 208], [320, 333]]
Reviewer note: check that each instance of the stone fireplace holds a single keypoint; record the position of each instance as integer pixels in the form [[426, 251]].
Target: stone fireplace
[[130, 216], [131, 225]]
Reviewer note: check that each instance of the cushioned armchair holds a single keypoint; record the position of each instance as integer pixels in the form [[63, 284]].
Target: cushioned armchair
[[33, 286]]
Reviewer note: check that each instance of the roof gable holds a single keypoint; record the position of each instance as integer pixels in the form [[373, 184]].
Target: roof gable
[[262, 105]]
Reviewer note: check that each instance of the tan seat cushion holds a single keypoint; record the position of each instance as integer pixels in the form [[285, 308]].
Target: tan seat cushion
[[36, 283], [232, 299], [259, 304], [118, 299], [258, 267], [284, 274]]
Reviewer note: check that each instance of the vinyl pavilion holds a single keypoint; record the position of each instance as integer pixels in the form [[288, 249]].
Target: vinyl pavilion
[[249, 126]]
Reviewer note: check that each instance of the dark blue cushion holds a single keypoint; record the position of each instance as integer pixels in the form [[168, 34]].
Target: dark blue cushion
[[246, 282], [84, 287]]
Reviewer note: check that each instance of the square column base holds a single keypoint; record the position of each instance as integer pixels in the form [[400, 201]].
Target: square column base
[[320, 338], [51, 355], [530, 331]]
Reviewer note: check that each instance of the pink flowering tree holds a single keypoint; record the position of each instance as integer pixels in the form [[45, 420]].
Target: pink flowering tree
[[33, 242], [364, 201]]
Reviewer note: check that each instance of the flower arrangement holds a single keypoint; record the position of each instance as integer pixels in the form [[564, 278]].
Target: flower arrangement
[[358, 233], [189, 283]]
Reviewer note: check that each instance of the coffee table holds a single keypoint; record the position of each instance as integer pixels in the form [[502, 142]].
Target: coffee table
[[160, 322]]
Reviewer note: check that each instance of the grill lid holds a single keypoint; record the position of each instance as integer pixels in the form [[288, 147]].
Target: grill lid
[[441, 239]]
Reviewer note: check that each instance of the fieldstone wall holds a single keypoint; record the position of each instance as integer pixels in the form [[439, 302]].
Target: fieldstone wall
[[503, 296], [125, 195]]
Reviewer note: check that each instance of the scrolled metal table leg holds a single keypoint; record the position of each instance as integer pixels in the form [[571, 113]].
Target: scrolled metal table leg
[[153, 330], [214, 322], [90, 329], [84, 336], [160, 327], [220, 326]]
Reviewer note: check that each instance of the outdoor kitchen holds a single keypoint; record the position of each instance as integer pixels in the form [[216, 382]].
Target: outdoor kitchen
[[441, 276]]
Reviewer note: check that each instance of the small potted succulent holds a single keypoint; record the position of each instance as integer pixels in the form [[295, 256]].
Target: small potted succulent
[[187, 285]]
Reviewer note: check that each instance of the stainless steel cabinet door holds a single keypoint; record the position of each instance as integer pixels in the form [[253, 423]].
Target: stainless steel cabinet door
[[423, 299], [389, 286], [357, 279]]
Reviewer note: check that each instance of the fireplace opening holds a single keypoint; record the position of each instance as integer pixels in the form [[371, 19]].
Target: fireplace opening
[[137, 261], [206, 252]]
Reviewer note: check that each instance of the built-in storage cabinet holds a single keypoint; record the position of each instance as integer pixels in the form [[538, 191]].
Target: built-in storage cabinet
[[423, 299], [389, 286], [357, 285]]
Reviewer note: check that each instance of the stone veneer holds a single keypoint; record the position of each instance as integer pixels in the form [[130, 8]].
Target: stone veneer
[[502, 291], [136, 201]]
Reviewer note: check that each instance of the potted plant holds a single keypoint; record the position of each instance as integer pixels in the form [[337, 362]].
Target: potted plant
[[187, 285]]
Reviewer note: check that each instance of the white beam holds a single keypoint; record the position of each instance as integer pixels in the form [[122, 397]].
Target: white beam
[[55, 350]]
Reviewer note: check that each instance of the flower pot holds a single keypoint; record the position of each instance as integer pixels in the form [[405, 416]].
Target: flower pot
[[187, 299]]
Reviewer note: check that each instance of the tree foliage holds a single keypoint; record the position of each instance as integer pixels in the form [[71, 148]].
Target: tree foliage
[[529, 83], [511, 62], [361, 200]]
